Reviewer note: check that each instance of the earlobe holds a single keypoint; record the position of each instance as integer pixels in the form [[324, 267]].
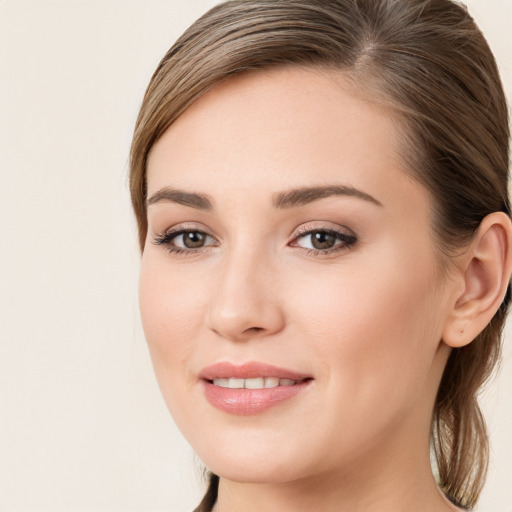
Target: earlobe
[[484, 277]]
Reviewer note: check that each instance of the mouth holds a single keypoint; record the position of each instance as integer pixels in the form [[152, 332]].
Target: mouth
[[251, 388]]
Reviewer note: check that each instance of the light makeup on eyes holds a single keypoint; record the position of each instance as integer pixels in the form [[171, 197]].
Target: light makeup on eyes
[[320, 241]]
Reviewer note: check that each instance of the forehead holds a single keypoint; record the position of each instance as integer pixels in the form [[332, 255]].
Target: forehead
[[280, 127]]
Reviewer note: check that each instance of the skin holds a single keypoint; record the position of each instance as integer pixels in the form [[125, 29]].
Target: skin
[[366, 321]]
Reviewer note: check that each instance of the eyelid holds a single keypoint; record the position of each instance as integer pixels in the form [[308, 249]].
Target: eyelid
[[184, 227], [314, 227]]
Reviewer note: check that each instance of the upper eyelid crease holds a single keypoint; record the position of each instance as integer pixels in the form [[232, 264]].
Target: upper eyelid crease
[[280, 200]]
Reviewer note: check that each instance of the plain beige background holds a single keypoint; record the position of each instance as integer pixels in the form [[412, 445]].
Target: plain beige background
[[82, 423]]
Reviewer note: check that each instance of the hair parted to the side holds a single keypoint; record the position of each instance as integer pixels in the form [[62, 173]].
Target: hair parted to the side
[[430, 63]]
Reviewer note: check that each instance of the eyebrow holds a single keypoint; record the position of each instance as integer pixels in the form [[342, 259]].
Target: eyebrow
[[280, 200], [306, 195], [192, 199]]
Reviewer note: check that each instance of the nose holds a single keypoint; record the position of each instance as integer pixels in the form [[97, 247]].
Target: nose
[[245, 302]]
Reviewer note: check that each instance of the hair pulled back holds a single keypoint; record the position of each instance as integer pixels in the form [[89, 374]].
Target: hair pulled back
[[430, 63]]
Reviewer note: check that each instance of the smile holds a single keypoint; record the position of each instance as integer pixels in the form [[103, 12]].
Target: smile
[[250, 388]]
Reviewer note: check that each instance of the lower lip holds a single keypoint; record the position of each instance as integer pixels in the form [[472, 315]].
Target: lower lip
[[245, 402]]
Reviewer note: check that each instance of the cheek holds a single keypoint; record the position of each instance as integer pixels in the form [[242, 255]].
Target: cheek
[[375, 333], [171, 306]]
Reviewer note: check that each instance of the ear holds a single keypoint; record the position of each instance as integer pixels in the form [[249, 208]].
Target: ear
[[481, 281]]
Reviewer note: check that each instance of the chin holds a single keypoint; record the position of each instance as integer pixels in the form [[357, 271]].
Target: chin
[[257, 472], [256, 462]]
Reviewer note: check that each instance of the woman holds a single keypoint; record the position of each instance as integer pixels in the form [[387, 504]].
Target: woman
[[321, 194]]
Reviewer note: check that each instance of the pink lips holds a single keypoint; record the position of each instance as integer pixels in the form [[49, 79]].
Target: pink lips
[[243, 401]]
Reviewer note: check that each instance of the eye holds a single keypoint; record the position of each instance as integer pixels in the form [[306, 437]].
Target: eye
[[324, 241], [190, 239], [184, 240]]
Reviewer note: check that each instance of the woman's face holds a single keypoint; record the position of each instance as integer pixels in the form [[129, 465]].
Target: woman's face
[[287, 248]]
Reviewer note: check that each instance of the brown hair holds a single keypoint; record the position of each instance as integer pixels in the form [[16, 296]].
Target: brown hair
[[428, 60]]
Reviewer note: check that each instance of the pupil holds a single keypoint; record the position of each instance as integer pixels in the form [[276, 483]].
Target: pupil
[[323, 240], [193, 239]]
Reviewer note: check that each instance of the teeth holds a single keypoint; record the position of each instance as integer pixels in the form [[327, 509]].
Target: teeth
[[255, 383], [271, 382], [236, 383], [258, 383]]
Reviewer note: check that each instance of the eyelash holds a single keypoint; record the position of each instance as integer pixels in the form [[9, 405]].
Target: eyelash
[[347, 241]]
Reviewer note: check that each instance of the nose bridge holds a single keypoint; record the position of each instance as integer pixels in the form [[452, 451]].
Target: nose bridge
[[244, 303]]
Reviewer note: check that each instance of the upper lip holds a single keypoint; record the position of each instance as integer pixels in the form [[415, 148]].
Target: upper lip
[[250, 370]]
